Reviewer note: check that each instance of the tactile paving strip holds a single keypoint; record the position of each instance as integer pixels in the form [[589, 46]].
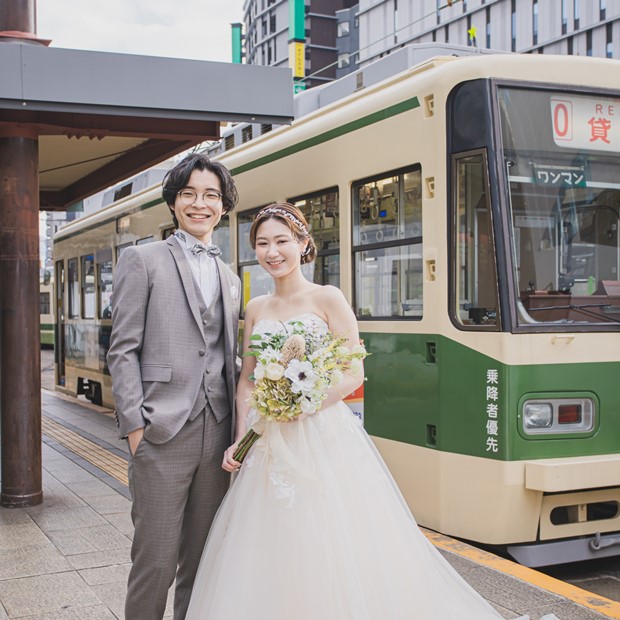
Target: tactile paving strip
[[107, 462]]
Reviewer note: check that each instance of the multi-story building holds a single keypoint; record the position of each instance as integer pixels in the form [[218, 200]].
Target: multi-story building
[[268, 37], [583, 27], [347, 40]]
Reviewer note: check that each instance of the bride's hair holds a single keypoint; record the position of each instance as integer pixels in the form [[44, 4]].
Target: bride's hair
[[294, 219]]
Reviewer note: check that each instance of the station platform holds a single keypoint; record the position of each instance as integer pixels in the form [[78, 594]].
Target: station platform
[[69, 557]]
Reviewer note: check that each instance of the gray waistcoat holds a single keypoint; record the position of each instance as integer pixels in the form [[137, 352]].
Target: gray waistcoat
[[214, 389]]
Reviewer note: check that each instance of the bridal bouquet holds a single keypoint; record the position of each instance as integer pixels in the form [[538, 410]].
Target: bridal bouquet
[[294, 370]]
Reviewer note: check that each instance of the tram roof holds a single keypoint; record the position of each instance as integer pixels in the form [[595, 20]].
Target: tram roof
[[102, 117]]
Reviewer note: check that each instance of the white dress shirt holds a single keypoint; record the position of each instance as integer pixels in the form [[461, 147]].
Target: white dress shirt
[[202, 265]]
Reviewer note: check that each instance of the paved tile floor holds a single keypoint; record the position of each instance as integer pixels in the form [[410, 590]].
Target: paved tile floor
[[69, 557]]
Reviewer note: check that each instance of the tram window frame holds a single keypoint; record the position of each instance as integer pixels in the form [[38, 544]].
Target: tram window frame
[[369, 251], [326, 256], [45, 300], [221, 238], [246, 258], [85, 271], [477, 314], [121, 248], [73, 287], [103, 259]]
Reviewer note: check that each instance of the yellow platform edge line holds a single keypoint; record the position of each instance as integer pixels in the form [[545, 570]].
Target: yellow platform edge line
[[602, 605], [101, 458]]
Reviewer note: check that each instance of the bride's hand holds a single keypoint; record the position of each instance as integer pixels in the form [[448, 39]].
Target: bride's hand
[[229, 464]]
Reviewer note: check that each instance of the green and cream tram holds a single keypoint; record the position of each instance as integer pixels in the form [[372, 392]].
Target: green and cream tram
[[469, 210]]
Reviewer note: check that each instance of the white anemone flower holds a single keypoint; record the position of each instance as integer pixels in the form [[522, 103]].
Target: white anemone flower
[[301, 375], [307, 406]]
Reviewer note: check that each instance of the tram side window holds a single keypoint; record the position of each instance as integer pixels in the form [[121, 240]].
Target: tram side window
[[221, 238], [88, 287], [387, 245], [44, 303], [321, 211], [254, 279], [474, 278], [121, 248], [74, 289], [104, 281]]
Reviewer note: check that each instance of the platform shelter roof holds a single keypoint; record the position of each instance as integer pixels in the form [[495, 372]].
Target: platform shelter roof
[[101, 117]]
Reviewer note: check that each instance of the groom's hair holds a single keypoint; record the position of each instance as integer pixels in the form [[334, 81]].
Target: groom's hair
[[177, 178]]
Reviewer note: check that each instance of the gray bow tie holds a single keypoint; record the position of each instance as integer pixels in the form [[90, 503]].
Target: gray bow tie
[[211, 250]]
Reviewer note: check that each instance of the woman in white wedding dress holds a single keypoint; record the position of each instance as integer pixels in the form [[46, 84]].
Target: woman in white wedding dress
[[314, 527]]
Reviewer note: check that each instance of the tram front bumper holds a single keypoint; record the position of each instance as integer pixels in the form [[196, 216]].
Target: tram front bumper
[[580, 495], [572, 474]]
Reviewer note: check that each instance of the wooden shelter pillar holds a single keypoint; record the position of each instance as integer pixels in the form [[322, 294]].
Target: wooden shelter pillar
[[20, 365]]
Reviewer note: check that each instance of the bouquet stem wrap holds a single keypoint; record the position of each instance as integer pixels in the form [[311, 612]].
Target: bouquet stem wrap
[[248, 440]]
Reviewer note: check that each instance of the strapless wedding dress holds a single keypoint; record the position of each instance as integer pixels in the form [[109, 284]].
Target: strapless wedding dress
[[315, 528]]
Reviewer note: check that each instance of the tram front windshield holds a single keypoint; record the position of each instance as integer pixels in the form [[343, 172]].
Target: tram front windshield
[[562, 159]]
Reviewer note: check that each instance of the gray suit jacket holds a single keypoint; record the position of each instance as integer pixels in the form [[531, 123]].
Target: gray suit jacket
[[157, 348]]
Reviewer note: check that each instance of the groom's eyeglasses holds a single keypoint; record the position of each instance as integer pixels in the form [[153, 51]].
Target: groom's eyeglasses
[[210, 197]]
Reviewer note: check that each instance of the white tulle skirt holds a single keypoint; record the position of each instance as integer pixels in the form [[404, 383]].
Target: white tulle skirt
[[314, 528]]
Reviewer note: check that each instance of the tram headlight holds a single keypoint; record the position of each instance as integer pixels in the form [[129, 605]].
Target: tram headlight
[[548, 415], [537, 415]]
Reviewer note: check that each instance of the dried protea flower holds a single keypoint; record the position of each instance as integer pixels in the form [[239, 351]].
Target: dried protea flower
[[293, 348]]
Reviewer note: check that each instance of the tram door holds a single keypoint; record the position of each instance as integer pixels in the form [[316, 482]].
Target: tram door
[[59, 349]]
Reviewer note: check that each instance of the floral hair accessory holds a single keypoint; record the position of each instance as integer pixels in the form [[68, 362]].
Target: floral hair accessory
[[285, 214]]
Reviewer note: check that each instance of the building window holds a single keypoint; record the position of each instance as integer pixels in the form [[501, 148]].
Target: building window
[[387, 245], [264, 27], [343, 61], [602, 9], [534, 22], [272, 23], [564, 17], [569, 46], [513, 26], [576, 14], [589, 43], [343, 29], [488, 27], [246, 133], [447, 33], [609, 47], [438, 10]]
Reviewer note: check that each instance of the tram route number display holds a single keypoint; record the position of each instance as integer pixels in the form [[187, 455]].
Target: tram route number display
[[580, 122]]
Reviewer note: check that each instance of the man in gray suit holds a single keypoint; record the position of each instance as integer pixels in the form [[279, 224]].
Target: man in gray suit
[[173, 358]]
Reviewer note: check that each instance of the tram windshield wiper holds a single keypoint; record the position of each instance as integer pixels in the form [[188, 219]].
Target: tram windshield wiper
[[583, 308]]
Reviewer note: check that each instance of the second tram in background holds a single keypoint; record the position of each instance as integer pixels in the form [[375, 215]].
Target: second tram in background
[[469, 210]]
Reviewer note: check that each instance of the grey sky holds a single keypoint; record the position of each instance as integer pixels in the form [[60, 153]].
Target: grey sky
[[198, 29]]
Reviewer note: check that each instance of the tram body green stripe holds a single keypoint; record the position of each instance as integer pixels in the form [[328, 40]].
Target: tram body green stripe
[[375, 117], [406, 395]]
